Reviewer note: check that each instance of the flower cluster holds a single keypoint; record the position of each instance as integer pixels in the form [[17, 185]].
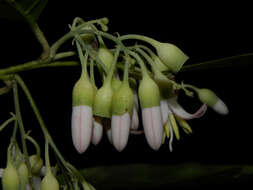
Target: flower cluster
[[131, 75]]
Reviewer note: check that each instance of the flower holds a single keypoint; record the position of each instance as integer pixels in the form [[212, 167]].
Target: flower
[[82, 119], [97, 131], [149, 96]]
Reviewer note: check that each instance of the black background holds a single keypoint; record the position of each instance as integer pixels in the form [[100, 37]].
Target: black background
[[203, 31]]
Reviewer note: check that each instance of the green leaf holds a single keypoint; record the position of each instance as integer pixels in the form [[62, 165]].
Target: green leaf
[[29, 10], [167, 176], [234, 61]]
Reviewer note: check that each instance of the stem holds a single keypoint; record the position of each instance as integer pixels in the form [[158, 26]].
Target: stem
[[42, 40], [64, 55], [139, 37], [37, 147], [92, 78], [39, 118], [34, 65], [6, 123], [112, 67], [125, 77], [21, 128], [48, 170], [83, 59]]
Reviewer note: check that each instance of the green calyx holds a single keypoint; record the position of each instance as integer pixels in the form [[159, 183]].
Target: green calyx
[[23, 175], [149, 93], [10, 178], [49, 182], [159, 64], [116, 83], [83, 92], [36, 163], [106, 56], [123, 100], [103, 101], [87, 38], [207, 96], [171, 56]]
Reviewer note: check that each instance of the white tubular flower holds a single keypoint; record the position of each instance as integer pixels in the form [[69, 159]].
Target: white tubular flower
[[120, 130], [109, 135], [220, 107], [81, 127], [135, 120], [179, 111], [165, 110], [152, 123], [209, 97], [97, 132], [81, 120], [149, 96], [122, 108]]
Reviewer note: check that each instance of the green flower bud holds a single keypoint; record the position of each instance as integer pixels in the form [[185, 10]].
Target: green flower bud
[[36, 164], [23, 175], [103, 101], [105, 56], [83, 92], [171, 56], [49, 182], [149, 94], [105, 20], [160, 65], [87, 38], [207, 96], [10, 179], [115, 84], [123, 100]]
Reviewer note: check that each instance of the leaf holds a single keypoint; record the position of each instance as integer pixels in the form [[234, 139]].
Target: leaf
[[173, 176], [30, 10], [234, 61]]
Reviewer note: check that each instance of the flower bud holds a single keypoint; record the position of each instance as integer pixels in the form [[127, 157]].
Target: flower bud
[[88, 37], [23, 175], [209, 97], [160, 65], [36, 164], [171, 56], [149, 96], [81, 121], [105, 56], [122, 107], [10, 179], [97, 132], [103, 101], [49, 182]]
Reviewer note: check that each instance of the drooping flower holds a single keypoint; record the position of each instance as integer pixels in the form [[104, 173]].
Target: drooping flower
[[122, 108], [97, 132], [209, 97], [81, 121], [149, 96]]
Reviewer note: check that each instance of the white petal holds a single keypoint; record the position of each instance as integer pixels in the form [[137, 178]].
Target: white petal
[[120, 130], [153, 126], [36, 183], [136, 101], [179, 111], [81, 125], [220, 107], [165, 110], [135, 120], [1, 172], [97, 132], [109, 135]]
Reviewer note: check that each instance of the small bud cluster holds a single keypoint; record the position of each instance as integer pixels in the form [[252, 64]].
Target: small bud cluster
[[131, 75]]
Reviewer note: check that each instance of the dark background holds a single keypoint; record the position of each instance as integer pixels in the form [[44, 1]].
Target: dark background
[[203, 31]]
